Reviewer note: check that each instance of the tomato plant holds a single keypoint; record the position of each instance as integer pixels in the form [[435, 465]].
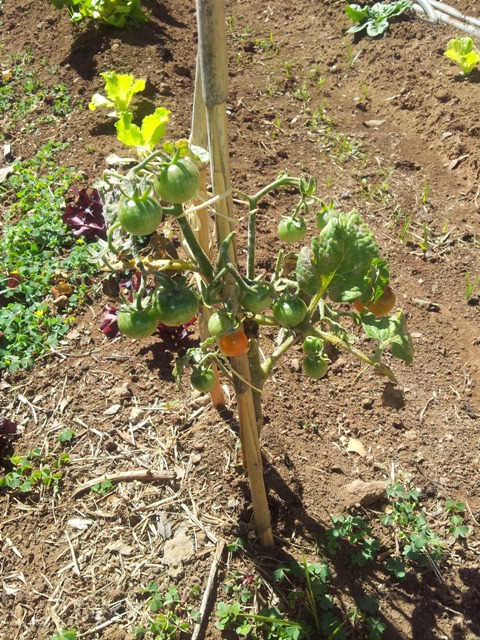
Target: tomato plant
[[234, 344], [302, 300], [178, 182], [138, 324], [140, 216]]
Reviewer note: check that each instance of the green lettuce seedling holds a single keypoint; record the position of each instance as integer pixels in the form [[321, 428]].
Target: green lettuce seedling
[[375, 18], [120, 89], [462, 51]]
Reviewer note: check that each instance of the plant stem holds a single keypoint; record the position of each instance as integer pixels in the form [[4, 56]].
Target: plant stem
[[252, 228], [268, 365], [205, 266]]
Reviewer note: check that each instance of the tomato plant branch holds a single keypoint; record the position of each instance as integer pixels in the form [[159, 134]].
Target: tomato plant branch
[[204, 264], [252, 228], [379, 367], [280, 351]]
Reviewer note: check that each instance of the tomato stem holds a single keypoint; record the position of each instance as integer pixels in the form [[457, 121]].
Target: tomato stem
[[269, 363], [204, 264]]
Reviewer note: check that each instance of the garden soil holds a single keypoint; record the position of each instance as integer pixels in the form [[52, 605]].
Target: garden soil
[[388, 127]]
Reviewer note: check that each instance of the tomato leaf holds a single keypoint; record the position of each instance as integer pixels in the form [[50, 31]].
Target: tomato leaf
[[391, 333], [341, 260]]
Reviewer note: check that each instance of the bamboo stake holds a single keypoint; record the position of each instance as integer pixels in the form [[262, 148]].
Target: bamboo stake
[[214, 75], [199, 137]]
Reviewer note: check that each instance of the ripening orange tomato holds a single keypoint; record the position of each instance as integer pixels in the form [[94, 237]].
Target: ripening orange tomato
[[381, 307], [234, 344]]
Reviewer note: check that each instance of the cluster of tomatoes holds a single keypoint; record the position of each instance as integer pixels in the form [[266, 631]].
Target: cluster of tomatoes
[[174, 303]]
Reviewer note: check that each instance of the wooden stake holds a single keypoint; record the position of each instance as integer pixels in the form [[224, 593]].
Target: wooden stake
[[214, 75], [199, 137]]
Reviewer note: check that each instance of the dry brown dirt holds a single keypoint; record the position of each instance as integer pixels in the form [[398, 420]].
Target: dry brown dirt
[[388, 127]]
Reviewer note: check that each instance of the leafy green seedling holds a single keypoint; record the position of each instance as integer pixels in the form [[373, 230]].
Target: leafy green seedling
[[355, 530], [31, 473], [175, 614], [104, 487], [415, 542], [66, 436], [66, 634], [462, 51], [457, 527], [375, 18], [117, 13], [120, 89]]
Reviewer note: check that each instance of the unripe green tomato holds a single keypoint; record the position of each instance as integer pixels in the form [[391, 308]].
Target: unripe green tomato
[[140, 216], [315, 366], [220, 323], [292, 229], [289, 312], [138, 324], [202, 379], [312, 346], [258, 300], [176, 306], [178, 182]]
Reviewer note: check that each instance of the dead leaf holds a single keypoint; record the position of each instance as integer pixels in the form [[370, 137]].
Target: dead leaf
[[355, 446]]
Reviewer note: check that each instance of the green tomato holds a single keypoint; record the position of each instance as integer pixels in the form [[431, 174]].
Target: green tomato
[[324, 216], [221, 323], [176, 305], [140, 216], [202, 379], [138, 324], [289, 312], [178, 182], [312, 346], [292, 229], [315, 366], [258, 300]]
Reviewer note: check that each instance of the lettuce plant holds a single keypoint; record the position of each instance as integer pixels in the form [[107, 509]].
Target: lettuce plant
[[375, 18], [117, 13], [462, 51]]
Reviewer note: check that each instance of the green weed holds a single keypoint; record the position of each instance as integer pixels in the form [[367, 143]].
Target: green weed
[[174, 614], [66, 634], [32, 473], [104, 487], [406, 522], [471, 285], [37, 249]]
